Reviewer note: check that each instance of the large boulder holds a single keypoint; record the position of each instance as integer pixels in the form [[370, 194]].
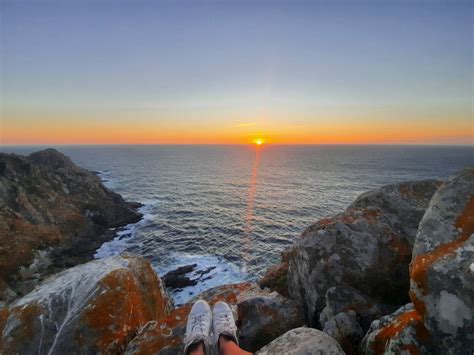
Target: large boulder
[[96, 307], [442, 270], [302, 341], [49, 204], [367, 247], [400, 332], [261, 316]]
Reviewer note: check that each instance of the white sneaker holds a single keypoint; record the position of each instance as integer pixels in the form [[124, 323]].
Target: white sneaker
[[223, 322], [198, 326]]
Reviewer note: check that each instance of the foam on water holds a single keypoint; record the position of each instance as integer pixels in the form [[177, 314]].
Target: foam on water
[[124, 236], [223, 273], [217, 270]]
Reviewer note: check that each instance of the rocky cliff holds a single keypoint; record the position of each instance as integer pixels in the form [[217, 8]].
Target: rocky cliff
[[53, 215], [391, 274]]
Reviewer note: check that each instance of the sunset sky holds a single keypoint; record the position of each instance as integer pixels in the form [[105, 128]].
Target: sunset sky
[[147, 72]]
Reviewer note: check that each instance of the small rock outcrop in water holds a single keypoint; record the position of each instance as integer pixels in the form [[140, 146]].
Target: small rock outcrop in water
[[441, 319], [178, 278], [302, 341], [53, 215], [95, 307]]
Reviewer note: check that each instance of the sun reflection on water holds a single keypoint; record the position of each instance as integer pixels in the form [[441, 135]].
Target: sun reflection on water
[[249, 213]]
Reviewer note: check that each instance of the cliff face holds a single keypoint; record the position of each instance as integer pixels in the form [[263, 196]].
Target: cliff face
[[349, 275], [53, 215]]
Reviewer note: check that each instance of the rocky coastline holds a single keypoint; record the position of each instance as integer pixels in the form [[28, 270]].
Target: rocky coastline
[[393, 273], [53, 215]]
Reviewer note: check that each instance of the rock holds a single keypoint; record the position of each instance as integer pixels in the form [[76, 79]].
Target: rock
[[259, 315], [346, 330], [95, 307], [177, 278], [442, 279], [348, 315], [342, 299], [276, 276], [47, 203], [367, 247], [400, 332], [263, 318], [302, 341]]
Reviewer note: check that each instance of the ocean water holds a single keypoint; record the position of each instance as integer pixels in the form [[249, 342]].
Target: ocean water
[[235, 208]]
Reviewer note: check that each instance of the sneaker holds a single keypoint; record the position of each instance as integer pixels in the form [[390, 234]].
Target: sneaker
[[198, 326], [223, 323]]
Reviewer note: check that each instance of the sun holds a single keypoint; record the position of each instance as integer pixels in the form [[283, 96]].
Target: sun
[[259, 141]]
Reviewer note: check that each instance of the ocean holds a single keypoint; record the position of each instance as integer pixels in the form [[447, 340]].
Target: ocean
[[232, 209]]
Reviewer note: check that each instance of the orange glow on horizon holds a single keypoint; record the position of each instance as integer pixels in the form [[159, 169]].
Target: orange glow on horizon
[[76, 130]]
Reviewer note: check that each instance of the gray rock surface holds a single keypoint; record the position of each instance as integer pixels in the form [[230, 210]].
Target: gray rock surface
[[367, 247], [302, 341], [342, 299], [345, 329], [53, 215], [442, 270], [264, 318], [95, 307]]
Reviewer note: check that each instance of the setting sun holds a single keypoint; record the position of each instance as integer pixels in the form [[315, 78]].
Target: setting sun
[[259, 141]]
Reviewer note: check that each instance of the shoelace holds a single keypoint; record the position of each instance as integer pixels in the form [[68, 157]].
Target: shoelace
[[198, 323]]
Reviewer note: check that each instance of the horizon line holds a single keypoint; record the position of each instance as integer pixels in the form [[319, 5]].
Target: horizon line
[[236, 144]]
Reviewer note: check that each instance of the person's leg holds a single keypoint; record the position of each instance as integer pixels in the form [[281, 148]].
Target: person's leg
[[225, 330], [198, 327], [228, 347], [196, 349]]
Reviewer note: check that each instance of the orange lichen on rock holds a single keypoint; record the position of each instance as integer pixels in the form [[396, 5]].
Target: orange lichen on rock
[[26, 315], [159, 335], [326, 222], [420, 265], [418, 304], [409, 318], [406, 191], [352, 215], [116, 312]]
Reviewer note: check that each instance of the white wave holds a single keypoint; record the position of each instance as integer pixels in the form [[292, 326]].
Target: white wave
[[223, 273], [125, 236]]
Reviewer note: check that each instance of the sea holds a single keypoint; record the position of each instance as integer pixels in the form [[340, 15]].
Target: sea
[[232, 209]]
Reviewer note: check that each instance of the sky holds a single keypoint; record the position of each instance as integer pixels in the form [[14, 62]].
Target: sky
[[191, 72]]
